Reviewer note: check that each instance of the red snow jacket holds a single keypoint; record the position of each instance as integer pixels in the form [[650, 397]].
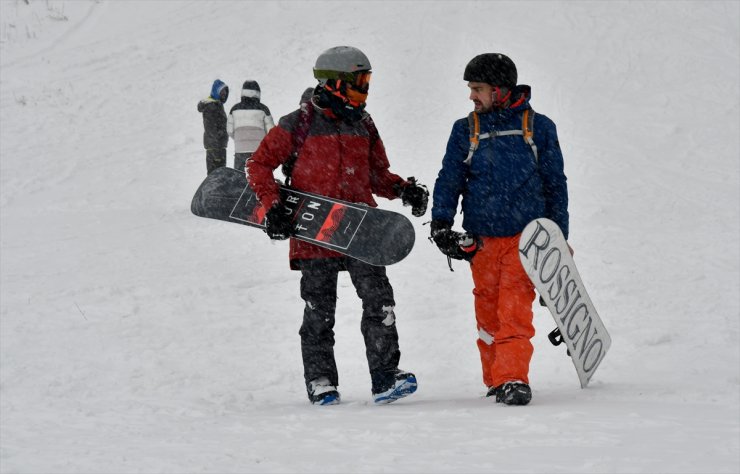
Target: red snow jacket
[[338, 159]]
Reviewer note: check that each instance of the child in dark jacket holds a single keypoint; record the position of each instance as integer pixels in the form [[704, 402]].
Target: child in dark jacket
[[215, 138]]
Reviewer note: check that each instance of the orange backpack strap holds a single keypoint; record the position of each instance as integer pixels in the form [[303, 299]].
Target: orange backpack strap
[[528, 131], [474, 127]]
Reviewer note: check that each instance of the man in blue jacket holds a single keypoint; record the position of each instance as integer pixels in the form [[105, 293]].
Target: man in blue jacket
[[505, 162]]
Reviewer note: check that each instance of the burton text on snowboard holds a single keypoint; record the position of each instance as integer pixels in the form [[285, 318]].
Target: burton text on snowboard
[[372, 235]]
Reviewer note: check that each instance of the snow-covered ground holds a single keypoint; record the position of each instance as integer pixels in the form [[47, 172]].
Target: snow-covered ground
[[135, 337]]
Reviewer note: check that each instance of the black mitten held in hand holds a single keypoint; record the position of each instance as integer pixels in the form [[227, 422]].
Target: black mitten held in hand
[[278, 222], [453, 244], [415, 195]]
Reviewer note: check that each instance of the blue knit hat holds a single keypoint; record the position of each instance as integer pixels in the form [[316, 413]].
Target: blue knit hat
[[219, 90]]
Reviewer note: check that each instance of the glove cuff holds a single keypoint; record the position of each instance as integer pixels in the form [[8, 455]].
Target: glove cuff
[[439, 225]]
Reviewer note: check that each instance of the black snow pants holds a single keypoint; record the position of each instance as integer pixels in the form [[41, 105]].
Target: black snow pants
[[240, 160], [319, 291], [215, 158]]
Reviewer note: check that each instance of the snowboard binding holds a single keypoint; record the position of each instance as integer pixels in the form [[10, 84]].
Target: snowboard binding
[[556, 338]]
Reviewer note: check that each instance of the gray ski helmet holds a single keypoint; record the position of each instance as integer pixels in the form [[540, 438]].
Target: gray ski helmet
[[340, 62], [492, 68]]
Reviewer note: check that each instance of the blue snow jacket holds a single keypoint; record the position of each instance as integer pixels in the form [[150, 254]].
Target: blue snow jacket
[[504, 187]]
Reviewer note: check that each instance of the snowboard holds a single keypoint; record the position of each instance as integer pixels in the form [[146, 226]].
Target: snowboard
[[546, 258], [374, 236]]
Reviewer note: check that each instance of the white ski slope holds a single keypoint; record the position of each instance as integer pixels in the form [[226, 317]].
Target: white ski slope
[[135, 337]]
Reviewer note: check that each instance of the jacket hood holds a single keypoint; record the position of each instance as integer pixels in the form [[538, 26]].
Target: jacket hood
[[217, 88]]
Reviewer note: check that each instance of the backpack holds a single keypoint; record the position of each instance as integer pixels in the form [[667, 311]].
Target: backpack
[[527, 132], [301, 132]]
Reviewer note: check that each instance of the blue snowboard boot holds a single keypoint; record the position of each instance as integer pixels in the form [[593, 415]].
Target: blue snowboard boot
[[321, 392], [398, 384]]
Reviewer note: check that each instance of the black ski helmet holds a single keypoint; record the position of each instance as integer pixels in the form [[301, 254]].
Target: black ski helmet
[[340, 62], [492, 68]]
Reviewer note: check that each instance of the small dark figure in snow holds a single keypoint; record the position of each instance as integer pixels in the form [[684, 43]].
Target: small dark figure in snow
[[215, 138], [248, 123], [341, 156]]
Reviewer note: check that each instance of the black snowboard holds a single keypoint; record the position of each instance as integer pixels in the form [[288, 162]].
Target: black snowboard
[[369, 234]]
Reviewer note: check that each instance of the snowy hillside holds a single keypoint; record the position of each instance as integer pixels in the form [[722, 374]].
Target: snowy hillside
[[135, 337]]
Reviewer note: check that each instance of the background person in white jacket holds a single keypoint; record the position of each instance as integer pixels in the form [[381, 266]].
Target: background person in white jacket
[[248, 123]]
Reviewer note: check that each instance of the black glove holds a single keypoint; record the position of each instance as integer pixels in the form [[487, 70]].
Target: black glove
[[279, 222], [453, 244], [415, 195]]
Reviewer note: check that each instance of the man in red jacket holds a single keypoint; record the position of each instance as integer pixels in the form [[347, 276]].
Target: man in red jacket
[[343, 157]]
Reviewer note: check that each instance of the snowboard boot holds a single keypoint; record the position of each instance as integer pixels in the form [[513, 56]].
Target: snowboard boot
[[511, 393], [322, 392], [394, 385]]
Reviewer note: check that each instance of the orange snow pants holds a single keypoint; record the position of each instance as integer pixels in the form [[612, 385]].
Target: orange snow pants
[[503, 311]]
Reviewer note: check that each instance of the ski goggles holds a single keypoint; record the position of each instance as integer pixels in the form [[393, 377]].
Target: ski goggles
[[359, 81]]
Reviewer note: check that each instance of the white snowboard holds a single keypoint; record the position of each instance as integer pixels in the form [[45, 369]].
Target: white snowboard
[[546, 259]]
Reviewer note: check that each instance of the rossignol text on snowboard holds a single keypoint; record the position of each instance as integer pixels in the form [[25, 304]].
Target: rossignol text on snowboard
[[547, 260], [369, 234]]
